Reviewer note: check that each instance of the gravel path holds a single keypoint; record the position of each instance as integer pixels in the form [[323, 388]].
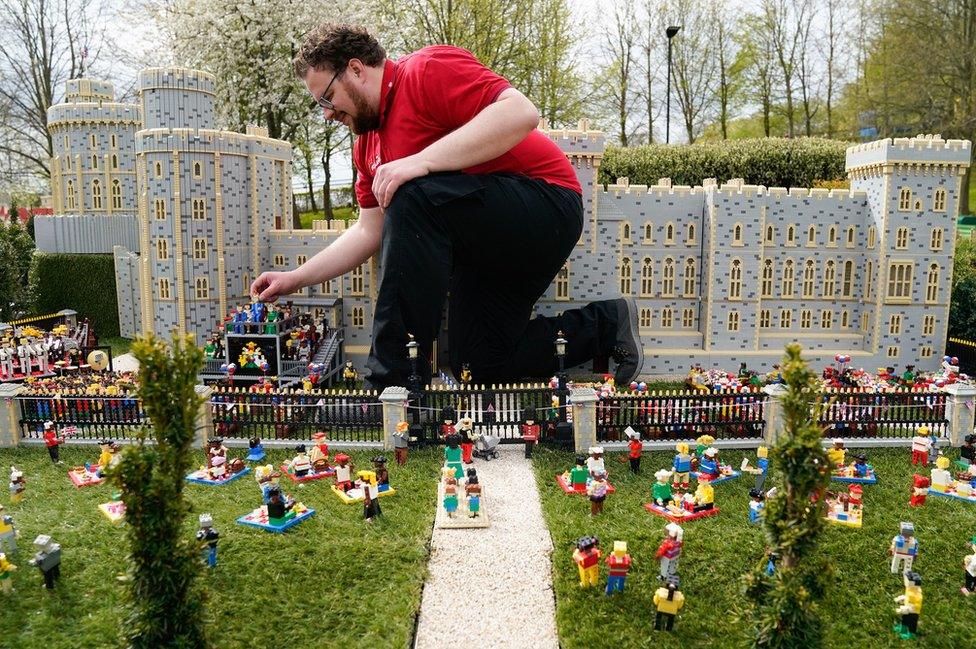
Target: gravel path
[[492, 587]]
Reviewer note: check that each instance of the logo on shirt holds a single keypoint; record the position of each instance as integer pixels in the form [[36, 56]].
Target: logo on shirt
[[376, 162]]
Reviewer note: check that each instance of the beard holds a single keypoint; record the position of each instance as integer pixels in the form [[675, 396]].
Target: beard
[[366, 118]]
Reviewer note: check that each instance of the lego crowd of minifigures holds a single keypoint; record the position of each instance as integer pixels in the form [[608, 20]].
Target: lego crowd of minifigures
[[28, 351]]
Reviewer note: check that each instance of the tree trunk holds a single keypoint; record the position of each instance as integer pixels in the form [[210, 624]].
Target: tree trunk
[[327, 185], [308, 181], [964, 193], [296, 218]]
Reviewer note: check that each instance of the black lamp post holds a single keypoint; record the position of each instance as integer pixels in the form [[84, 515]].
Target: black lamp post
[[415, 393], [670, 32], [564, 430]]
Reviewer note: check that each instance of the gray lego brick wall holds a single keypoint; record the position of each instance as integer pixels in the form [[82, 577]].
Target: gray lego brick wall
[[85, 233]]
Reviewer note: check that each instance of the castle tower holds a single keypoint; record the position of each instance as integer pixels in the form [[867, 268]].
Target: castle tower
[[913, 187], [92, 170]]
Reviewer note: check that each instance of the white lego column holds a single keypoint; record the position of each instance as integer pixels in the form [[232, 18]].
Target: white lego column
[[773, 413], [583, 401], [204, 419], [960, 407], [394, 400], [9, 414]]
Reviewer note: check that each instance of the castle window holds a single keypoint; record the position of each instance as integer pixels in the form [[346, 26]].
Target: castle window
[[358, 316], [828, 285], [669, 233], [864, 322], [279, 260], [160, 209], [625, 276], [785, 318], [850, 236], [648, 232], [894, 325], [939, 201], [202, 288], [114, 141], [770, 234], [356, 277], [805, 319], [892, 352], [644, 319], [115, 161], [737, 234], [869, 280], [691, 234], [733, 320], [791, 236], [96, 191], [116, 195], [847, 284], [932, 284], [812, 235], [690, 273], [936, 239], [562, 282], [845, 319], [199, 248], [67, 144], [927, 352], [162, 249], [199, 208], [809, 274], [92, 142], [159, 170], [71, 195], [301, 259], [667, 318], [787, 289], [687, 318], [928, 325], [767, 279], [901, 238], [832, 236], [872, 236], [905, 199], [94, 162], [764, 319], [826, 319], [735, 280], [667, 280], [647, 277], [900, 281], [163, 286], [197, 170]]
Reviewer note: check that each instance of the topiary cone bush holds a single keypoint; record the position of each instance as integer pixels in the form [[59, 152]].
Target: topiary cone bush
[[166, 606], [782, 607]]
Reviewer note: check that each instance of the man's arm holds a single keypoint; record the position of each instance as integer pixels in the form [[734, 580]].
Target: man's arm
[[494, 131], [352, 248]]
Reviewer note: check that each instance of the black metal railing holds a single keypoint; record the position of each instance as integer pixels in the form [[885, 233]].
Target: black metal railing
[[856, 414], [496, 410], [93, 417]]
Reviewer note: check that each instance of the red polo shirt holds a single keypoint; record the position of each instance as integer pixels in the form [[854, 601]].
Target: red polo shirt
[[434, 91]]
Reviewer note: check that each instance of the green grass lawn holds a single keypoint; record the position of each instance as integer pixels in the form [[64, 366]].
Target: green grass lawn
[[344, 213], [858, 610], [331, 581], [119, 345]]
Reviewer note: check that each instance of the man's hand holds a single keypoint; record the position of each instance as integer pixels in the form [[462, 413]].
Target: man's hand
[[390, 176], [269, 286]]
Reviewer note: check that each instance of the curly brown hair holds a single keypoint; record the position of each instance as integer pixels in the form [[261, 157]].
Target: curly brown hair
[[333, 45]]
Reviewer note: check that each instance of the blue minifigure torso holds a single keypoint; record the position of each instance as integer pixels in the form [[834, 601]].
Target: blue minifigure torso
[[763, 463], [682, 463], [861, 469], [708, 467]]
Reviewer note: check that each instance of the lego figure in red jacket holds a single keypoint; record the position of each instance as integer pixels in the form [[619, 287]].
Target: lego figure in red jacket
[[447, 422], [670, 550], [52, 441], [920, 489], [587, 557], [634, 448]]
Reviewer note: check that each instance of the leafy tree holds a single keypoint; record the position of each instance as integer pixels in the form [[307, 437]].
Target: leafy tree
[[962, 307], [16, 250], [166, 606], [783, 606]]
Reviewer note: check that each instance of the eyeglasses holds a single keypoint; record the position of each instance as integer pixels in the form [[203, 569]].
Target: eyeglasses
[[321, 100]]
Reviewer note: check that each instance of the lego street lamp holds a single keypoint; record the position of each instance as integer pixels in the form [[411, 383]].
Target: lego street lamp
[[670, 32], [564, 430], [416, 393]]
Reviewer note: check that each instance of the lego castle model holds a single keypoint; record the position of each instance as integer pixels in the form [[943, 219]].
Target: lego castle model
[[722, 274]]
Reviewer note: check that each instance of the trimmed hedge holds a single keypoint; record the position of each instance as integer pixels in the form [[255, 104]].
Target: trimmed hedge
[[773, 162], [85, 283]]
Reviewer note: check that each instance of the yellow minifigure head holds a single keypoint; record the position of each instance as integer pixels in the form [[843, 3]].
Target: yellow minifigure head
[[705, 493], [762, 451], [402, 427], [923, 431], [619, 548], [705, 440], [942, 462], [681, 447], [367, 476]]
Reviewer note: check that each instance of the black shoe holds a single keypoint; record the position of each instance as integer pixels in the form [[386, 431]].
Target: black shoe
[[627, 350]]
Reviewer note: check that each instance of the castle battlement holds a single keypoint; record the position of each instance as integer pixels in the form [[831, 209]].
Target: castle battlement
[[177, 78], [581, 141], [84, 113], [623, 186], [228, 142], [88, 90], [918, 150]]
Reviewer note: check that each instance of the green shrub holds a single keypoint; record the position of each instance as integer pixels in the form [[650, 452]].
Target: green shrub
[[85, 283], [773, 162]]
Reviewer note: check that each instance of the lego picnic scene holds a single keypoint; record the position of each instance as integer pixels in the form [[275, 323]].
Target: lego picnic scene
[[489, 323]]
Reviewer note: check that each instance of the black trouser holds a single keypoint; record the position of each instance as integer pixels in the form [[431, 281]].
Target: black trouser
[[495, 243], [910, 622], [668, 620], [970, 581], [54, 452], [635, 464]]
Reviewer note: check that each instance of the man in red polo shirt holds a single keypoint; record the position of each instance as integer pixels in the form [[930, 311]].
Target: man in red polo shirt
[[461, 195]]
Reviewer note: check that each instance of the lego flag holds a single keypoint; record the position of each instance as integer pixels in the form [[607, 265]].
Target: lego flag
[[69, 430]]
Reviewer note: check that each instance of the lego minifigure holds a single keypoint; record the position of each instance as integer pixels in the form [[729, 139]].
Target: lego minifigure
[[597, 490], [530, 431], [47, 559], [668, 600], [579, 474], [756, 505], [682, 466], [52, 441], [859, 467], [349, 376], [670, 550], [708, 466], [661, 491], [266, 477], [910, 606], [619, 563], [447, 422], [634, 449], [704, 496], [472, 490], [967, 452], [941, 478], [256, 450], [969, 569], [704, 441], [465, 430], [904, 548], [207, 536], [18, 485], [920, 489], [300, 465], [218, 468], [8, 533], [279, 508], [401, 442], [382, 473], [215, 448], [761, 468], [465, 377], [836, 455], [452, 455], [594, 464], [5, 569], [587, 557], [921, 445], [343, 472], [371, 495], [450, 492]]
